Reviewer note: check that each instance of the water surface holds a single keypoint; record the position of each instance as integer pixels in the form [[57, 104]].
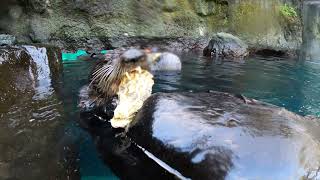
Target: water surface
[[289, 83], [41, 137]]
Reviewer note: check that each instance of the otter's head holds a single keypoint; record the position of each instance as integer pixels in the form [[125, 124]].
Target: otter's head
[[106, 78]]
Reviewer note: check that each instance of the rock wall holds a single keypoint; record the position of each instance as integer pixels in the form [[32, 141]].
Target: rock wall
[[105, 23], [311, 30]]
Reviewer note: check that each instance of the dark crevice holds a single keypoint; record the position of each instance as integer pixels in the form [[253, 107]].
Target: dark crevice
[[271, 52]]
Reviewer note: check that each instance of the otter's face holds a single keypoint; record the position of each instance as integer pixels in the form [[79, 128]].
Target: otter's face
[[133, 58]]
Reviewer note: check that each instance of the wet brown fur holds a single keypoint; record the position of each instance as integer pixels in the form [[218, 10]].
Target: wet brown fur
[[106, 76]]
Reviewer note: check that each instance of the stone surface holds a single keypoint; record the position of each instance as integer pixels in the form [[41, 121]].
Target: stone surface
[[32, 145], [17, 71], [311, 31], [6, 39], [23, 68], [208, 136], [204, 7], [226, 45], [170, 5], [112, 23]]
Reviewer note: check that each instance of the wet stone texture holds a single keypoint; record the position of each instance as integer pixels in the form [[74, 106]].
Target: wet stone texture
[[17, 71], [31, 146], [222, 136], [224, 45]]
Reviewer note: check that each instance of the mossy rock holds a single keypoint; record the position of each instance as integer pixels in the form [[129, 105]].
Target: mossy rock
[[170, 5], [204, 7]]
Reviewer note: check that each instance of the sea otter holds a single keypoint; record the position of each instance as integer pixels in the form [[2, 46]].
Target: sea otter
[[120, 86], [106, 76], [203, 135], [165, 61]]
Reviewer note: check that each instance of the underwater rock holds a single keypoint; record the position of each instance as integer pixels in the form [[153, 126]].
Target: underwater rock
[[39, 6], [208, 136], [226, 45], [6, 39]]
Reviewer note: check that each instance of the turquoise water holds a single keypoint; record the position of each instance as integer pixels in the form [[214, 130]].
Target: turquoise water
[[288, 83], [91, 167], [74, 56]]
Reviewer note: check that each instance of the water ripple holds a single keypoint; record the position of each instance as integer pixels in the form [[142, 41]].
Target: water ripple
[[289, 83]]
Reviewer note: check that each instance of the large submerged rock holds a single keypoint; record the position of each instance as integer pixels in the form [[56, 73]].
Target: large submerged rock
[[210, 136]]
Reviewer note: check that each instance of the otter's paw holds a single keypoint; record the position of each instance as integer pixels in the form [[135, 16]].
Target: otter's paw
[[119, 123]]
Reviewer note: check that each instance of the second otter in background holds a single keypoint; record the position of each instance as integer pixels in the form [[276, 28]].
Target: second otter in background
[[165, 61]]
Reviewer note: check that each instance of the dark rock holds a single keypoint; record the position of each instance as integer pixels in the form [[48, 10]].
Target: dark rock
[[208, 136], [23, 69], [226, 45], [17, 72], [32, 117], [14, 55], [271, 52], [6, 39]]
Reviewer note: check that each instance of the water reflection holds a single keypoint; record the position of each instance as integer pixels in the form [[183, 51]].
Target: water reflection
[[289, 83], [40, 136]]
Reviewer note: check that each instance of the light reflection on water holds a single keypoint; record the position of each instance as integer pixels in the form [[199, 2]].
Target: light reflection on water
[[36, 128], [288, 83]]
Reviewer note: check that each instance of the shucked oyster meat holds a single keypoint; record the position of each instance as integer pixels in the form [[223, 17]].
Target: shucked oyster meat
[[134, 89]]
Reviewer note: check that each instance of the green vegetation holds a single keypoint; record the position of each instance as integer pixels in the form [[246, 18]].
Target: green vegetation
[[288, 11], [289, 17]]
